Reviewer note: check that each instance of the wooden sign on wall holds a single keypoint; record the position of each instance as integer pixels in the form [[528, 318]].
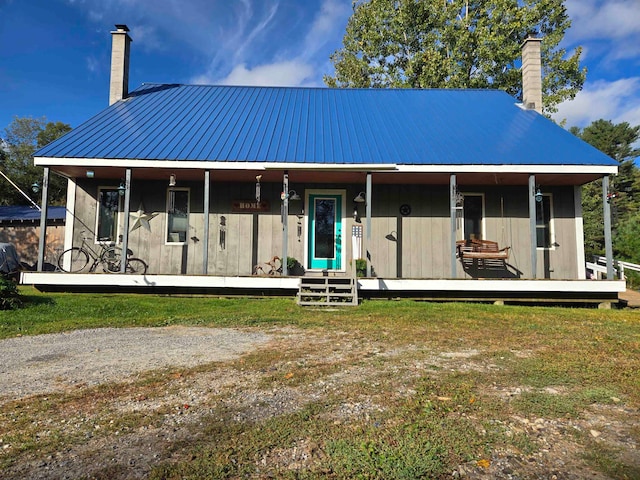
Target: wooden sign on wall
[[250, 206]]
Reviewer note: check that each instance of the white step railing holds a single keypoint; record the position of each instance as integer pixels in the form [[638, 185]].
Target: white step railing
[[599, 267]]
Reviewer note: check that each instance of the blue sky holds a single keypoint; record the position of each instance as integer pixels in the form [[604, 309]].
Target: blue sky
[[55, 54]]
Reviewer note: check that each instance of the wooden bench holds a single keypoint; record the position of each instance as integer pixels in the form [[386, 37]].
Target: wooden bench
[[481, 249]]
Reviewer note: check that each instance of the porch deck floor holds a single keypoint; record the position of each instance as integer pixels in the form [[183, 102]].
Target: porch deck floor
[[507, 290]]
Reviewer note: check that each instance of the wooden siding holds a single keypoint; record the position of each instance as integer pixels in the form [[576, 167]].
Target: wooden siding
[[26, 238], [402, 246]]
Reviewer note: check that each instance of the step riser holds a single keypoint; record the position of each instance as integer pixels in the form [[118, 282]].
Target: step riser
[[325, 291]]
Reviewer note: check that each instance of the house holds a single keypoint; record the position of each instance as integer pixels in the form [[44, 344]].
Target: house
[[207, 184], [20, 226]]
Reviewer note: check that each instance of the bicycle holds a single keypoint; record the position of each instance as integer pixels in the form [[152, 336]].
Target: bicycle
[[272, 267], [76, 259]]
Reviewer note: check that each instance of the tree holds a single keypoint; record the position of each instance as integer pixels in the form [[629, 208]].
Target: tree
[[23, 137], [455, 44], [616, 140]]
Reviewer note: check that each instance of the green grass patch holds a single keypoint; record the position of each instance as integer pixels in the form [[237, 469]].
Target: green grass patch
[[433, 381]]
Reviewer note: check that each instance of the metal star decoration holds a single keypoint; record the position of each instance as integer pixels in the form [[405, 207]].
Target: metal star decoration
[[141, 219]]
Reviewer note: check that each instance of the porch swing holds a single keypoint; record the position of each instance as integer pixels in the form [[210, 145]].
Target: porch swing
[[481, 250]]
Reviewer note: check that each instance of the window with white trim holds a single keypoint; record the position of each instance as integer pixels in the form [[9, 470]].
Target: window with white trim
[[177, 215], [109, 205], [544, 222]]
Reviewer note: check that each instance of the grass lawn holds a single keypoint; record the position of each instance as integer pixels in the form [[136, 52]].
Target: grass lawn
[[388, 389]]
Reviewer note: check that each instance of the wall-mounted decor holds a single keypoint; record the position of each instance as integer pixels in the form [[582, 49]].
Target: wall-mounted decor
[[405, 209], [141, 219], [250, 206], [223, 232]]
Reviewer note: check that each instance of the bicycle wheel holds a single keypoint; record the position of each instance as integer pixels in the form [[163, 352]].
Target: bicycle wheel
[[73, 260], [110, 259], [136, 266]]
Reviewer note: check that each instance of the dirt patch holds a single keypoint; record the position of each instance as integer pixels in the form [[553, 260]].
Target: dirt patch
[[171, 410], [49, 363]]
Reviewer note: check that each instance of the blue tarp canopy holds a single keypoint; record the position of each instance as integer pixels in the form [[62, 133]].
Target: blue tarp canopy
[[30, 214]]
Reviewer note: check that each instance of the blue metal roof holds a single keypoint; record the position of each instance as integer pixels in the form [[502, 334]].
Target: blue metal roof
[[27, 213], [323, 126]]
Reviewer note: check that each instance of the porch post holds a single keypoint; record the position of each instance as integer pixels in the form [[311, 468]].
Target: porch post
[[205, 242], [285, 221], [368, 214], [42, 241], [452, 214], [532, 226], [608, 245], [125, 233], [580, 258]]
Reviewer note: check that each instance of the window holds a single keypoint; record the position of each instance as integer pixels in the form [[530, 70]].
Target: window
[[177, 215], [544, 233], [473, 210], [108, 208]]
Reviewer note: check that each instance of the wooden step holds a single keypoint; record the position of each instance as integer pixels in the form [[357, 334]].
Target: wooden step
[[328, 291]]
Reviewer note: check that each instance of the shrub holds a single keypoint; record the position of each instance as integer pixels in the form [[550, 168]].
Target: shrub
[[10, 298], [294, 267], [633, 279], [361, 267]]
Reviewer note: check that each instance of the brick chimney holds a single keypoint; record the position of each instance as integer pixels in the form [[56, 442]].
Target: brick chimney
[[119, 85], [532, 74]]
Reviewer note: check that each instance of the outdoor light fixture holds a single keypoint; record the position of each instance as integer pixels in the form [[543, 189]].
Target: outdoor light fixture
[[121, 189], [356, 214], [172, 180], [538, 195], [90, 173], [292, 195], [35, 187], [258, 177], [360, 198]]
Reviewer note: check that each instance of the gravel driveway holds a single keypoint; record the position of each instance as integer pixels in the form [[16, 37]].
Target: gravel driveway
[[48, 363]]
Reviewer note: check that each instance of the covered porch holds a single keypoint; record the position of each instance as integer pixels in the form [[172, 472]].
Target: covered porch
[[404, 224]]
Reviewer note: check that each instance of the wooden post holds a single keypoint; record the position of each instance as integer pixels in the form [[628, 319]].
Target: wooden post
[[368, 214], [125, 233], [532, 226], [452, 213], [608, 245], [285, 222], [205, 242], [42, 241]]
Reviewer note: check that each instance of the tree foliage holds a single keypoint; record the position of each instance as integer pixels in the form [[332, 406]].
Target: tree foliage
[[23, 137], [617, 141], [455, 44]]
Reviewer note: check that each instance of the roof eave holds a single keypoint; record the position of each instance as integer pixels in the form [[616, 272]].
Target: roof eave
[[567, 169]]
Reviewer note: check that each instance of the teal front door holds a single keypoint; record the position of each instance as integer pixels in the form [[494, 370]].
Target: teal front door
[[325, 232]]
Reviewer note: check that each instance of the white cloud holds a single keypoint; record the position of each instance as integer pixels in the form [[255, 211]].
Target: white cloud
[[287, 73], [295, 64], [604, 18], [612, 26], [279, 41], [147, 37], [93, 65], [618, 101], [329, 21], [255, 32]]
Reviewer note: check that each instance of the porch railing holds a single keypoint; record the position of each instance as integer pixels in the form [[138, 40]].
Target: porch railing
[[599, 267]]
